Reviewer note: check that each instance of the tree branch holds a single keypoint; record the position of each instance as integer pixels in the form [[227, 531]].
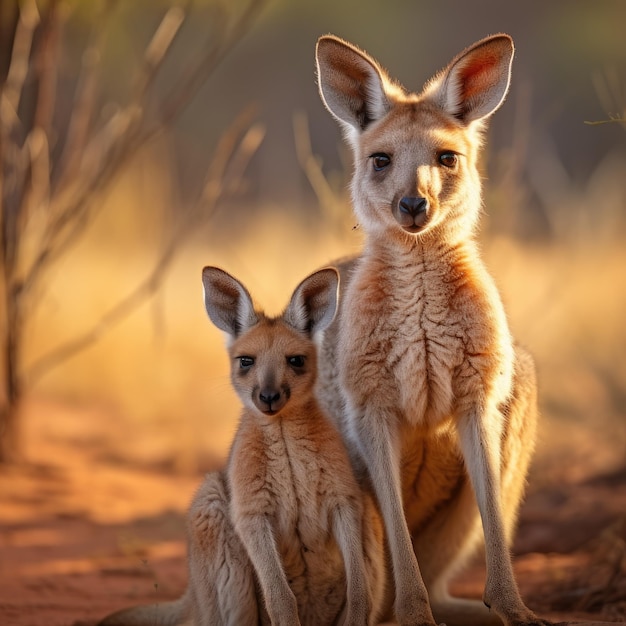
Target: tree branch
[[181, 94], [123, 137], [234, 150], [84, 99]]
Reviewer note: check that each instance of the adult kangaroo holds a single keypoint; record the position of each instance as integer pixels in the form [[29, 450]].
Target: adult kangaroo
[[436, 403]]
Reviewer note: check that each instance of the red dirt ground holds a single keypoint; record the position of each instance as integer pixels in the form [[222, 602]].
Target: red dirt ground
[[84, 531]]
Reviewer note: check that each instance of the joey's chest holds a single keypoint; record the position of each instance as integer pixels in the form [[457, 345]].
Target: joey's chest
[[294, 474]]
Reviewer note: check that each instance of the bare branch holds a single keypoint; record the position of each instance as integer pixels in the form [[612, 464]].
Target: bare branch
[[77, 200], [12, 165], [110, 320], [124, 136], [247, 148], [330, 203], [85, 98], [613, 119], [310, 164], [46, 67], [18, 69], [38, 194], [181, 94], [234, 150], [158, 47]]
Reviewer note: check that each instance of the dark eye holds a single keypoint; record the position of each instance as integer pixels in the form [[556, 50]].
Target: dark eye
[[448, 159], [245, 362], [296, 361], [380, 160]]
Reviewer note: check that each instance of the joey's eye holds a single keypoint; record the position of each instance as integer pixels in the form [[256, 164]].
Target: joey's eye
[[380, 160], [245, 362], [296, 361], [448, 159]]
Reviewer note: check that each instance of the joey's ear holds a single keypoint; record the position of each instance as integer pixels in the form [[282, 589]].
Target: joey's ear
[[352, 85], [314, 302], [475, 83], [227, 302]]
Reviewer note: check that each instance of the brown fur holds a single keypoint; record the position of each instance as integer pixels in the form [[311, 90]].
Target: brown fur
[[295, 502], [285, 535], [434, 400]]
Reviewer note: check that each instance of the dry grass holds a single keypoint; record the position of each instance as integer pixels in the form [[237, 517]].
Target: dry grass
[[164, 371]]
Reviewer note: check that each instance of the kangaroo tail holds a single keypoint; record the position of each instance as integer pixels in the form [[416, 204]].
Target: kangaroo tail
[[172, 613]]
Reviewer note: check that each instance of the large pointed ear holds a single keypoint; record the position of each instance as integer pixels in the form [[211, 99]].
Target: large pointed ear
[[227, 302], [475, 83], [314, 302], [351, 83]]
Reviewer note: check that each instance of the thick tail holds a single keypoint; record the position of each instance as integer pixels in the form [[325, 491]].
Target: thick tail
[[173, 613]]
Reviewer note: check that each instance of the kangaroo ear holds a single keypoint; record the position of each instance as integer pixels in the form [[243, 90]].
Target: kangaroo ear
[[314, 302], [475, 83], [227, 302], [351, 83]]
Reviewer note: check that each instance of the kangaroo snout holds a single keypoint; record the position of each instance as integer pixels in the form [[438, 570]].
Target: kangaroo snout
[[270, 400], [412, 213]]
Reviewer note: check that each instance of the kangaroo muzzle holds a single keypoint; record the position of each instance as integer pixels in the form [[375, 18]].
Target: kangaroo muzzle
[[412, 213], [270, 400]]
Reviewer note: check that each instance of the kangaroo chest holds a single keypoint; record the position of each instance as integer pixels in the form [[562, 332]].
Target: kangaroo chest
[[409, 336], [295, 472], [303, 486], [426, 350]]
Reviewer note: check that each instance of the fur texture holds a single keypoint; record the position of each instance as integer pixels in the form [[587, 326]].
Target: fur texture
[[436, 403], [285, 535]]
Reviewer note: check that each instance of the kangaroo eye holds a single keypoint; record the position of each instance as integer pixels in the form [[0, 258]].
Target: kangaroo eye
[[296, 361], [380, 160], [245, 362], [448, 159]]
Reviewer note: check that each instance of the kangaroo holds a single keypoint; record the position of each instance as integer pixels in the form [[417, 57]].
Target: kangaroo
[[435, 402], [285, 534]]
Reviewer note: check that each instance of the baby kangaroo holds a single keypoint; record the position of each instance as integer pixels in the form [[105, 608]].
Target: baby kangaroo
[[312, 535], [287, 515], [436, 403]]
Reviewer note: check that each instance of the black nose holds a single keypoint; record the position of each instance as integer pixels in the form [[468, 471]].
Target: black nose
[[413, 206], [269, 396]]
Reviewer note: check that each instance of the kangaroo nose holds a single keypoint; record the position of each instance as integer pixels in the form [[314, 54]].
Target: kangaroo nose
[[413, 205], [269, 396]]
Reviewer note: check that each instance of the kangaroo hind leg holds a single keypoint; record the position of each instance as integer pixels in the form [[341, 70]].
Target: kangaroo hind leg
[[455, 534], [221, 578]]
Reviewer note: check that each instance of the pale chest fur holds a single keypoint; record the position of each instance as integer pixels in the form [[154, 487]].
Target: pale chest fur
[[426, 333]]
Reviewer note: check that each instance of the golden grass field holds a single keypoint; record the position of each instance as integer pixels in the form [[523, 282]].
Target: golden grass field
[[164, 370]]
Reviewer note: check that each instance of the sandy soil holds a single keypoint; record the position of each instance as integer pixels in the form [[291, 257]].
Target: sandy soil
[[84, 531]]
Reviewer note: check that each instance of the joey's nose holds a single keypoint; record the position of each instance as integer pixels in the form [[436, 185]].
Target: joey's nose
[[269, 396], [270, 400], [413, 205]]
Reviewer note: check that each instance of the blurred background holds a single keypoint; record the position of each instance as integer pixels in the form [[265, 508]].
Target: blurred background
[[555, 195], [143, 140]]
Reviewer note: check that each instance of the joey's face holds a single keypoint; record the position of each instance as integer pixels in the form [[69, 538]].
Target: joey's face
[[273, 367], [415, 169]]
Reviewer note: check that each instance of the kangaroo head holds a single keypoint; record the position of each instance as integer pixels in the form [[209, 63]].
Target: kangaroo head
[[273, 359], [415, 155]]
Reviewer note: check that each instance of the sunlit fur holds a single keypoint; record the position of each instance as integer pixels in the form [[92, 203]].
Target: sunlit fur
[[436, 403], [285, 535]]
